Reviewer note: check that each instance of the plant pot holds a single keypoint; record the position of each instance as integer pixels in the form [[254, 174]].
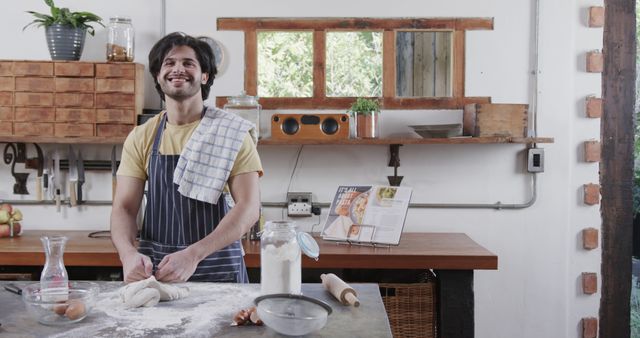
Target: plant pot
[[367, 125], [65, 42]]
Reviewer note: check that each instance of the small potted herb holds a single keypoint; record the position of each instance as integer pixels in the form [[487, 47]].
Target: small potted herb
[[65, 30], [366, 113]]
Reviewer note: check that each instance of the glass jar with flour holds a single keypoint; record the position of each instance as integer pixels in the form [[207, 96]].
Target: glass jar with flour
[[280, 257]]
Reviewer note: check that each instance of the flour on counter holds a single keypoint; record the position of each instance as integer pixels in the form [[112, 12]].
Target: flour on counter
[[208, 307]]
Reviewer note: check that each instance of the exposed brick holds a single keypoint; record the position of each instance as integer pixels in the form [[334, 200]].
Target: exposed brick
[[595, 62], [590, 238], [591, 194], [589, 327], [596, 16], [589, 283], [594, 107], [592, 151]]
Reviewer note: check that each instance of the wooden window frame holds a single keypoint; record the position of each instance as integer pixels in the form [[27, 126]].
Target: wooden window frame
[[389, 27]]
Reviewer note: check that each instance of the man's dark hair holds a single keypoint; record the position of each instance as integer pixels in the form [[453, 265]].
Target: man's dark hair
[[203, 53]]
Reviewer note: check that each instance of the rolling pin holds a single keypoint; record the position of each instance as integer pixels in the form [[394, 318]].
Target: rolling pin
[[339, 289]]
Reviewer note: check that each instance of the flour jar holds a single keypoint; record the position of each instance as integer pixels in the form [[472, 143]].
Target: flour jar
[[280, 266]]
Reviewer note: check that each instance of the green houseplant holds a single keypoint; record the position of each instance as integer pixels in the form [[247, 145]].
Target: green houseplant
[[366, 113], [65, 30]]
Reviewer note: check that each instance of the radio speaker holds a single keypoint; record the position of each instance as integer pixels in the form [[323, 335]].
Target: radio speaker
[[310, 126]]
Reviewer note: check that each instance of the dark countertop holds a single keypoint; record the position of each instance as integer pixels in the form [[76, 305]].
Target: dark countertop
[[205, 313]]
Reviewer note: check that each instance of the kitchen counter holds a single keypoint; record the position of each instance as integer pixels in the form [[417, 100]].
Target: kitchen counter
[[451, 251], [201, 314], [452, 256]]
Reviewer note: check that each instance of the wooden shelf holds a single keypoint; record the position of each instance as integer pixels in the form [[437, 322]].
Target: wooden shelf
[[62, 140], [411, 140]]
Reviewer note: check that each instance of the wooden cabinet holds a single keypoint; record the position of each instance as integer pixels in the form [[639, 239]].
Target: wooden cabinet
[[70, 101]]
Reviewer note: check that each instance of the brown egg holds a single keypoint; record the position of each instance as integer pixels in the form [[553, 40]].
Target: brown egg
[[75, 310], [60, 308]]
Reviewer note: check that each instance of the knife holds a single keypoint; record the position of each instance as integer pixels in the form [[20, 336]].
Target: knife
[[80, 176], [40, 168], [56, 178], [73, 177], [45, 175], [114, 169]]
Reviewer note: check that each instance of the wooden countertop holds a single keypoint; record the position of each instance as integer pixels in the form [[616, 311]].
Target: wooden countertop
[[455, 251]]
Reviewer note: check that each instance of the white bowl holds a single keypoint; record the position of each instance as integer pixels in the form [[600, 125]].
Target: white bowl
[[293, 315]]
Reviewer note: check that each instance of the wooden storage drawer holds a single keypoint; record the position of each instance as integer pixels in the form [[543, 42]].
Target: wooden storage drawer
[[7, 83], [78, 115], [77, 69], [70, 84], [33, 68], [6, 113], [6, 68], [115, 85], [121, 70], [34, 84], [6, 98], [6, 128], [34, 99], [115, 116], [46, 114], [74, 100], [73, 129], [113, 130], [114, 100], [32, 129]]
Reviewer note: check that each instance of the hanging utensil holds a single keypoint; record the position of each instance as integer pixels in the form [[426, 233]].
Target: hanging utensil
[[73, 177], [114, 169], [40, 168], [57, 179], [80, 176]]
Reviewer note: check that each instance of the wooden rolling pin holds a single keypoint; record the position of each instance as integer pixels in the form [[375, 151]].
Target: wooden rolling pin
[[339, 289]]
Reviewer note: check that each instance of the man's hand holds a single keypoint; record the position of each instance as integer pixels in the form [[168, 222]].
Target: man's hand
[[177, 267], [136, 266]]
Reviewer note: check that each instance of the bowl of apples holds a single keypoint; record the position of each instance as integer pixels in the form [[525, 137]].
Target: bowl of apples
[[10, 218]]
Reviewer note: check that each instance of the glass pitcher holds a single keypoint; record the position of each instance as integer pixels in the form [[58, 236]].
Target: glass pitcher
[[54, 280]]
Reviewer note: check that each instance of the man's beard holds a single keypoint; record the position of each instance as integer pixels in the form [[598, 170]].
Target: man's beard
[[179, 94]]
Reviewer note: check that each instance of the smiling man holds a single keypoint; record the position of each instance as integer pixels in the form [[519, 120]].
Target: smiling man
[[189, 155]]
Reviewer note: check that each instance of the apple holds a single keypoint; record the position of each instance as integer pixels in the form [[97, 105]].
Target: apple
[[7, 207], [4, 230], [16, 215], [4, 216]]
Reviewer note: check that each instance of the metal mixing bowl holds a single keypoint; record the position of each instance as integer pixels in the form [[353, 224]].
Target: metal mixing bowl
[[293, 315], [63, 306]]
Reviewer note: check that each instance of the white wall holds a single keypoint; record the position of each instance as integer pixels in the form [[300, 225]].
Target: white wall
[[535, 291]]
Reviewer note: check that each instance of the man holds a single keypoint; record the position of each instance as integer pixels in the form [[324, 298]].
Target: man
[[188, 154]]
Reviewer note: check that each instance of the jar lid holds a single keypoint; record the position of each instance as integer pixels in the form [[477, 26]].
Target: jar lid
[[119, 18], [243, 100], [308, 245]]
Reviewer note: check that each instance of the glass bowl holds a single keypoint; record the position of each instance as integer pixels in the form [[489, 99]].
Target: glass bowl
[[60, 306], [292, 315]]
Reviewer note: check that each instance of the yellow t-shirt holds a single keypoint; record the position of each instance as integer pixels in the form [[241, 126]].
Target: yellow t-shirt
[[137, 148]]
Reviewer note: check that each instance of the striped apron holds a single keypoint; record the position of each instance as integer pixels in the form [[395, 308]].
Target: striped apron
[[172, 222]]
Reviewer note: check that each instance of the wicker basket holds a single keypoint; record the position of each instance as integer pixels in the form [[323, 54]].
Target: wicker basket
[[411, 308]]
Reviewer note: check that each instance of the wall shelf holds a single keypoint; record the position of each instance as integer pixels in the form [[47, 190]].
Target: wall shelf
[[411, 140], [62, 140]]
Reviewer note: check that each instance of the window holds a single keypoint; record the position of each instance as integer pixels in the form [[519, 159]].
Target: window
[[409, 63]]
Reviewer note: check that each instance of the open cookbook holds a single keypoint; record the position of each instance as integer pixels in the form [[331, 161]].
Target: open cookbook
[[367, 214]]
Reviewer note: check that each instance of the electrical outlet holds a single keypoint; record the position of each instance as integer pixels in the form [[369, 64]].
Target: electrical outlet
[[299, 204], [535, 160]]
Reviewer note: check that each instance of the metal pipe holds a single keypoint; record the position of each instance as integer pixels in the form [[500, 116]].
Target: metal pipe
[[497, 205]]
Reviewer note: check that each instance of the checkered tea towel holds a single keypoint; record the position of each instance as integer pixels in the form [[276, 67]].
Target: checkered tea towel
[[207, 159]]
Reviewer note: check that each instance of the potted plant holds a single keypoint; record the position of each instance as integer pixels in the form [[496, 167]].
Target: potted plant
[[65, 30], [366, 113]]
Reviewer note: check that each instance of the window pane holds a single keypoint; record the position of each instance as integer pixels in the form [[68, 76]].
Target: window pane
[[285, 62], [423, 64], [354, 64]]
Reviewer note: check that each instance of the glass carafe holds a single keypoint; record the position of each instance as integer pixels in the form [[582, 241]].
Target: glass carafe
[[54, 280], [280, 263]]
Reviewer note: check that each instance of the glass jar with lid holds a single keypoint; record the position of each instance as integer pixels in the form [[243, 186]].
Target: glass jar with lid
[[280, 257], [247, 107], [120, 39]]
